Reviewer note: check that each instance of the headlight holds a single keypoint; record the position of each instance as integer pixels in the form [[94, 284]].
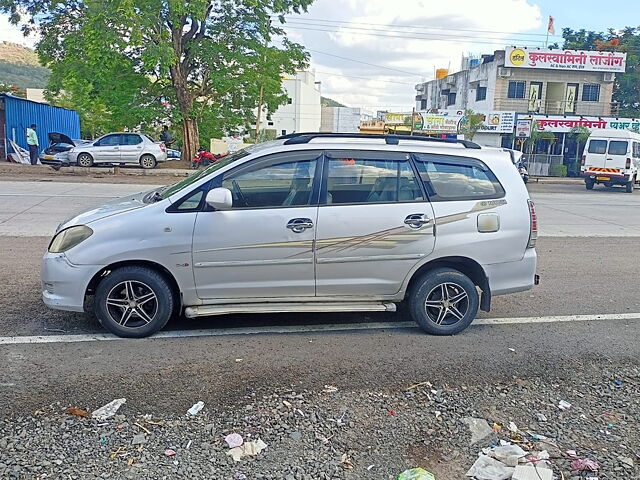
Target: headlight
[[69, 238]]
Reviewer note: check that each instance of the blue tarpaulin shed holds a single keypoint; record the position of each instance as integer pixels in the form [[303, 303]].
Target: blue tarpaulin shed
[[16, 114]]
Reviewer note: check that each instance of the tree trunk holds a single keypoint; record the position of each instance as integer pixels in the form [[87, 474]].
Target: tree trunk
[[191, 139]]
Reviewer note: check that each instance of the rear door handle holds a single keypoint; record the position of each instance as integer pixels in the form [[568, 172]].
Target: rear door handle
[[417, 220], [299, 225]]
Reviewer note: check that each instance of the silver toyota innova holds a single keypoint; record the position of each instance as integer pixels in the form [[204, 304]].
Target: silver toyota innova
[[306, 223]]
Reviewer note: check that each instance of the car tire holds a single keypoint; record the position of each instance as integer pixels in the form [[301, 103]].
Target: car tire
[[629, 185], [85, 160], [589, 184], [148, 162], [134, 302], [444, 302]]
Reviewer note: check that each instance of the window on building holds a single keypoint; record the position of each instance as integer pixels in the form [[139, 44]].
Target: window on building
[[270, 124], [451, 98], [423, 104], [284, 132], [481, 94], [289, 100], [516, 89], [591, 93]]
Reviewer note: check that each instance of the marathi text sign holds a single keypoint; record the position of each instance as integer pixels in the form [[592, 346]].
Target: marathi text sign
[[492, 122], [584, 60], [565, 124]]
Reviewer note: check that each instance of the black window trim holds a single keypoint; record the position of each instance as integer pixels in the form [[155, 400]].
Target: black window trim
[[313, 199], [175, 207], [471, 162], [98, 143], [407, 157]]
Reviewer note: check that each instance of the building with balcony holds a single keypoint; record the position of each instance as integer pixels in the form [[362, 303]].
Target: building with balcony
[[494, 82]]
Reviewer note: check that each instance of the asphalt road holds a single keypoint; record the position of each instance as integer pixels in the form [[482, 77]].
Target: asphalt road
[[583, 272]]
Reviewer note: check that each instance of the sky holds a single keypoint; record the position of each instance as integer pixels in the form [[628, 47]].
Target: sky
[[371, 53]]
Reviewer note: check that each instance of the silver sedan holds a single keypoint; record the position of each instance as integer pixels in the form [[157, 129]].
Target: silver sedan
[[120, 149]]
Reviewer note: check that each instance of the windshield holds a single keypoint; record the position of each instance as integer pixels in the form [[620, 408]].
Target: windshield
[[166, 192]]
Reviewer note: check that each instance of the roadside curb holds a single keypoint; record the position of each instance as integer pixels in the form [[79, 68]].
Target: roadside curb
[[557, 180], [129, 171]]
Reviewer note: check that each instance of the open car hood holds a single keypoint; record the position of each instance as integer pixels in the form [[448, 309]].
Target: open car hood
[[55, 137]]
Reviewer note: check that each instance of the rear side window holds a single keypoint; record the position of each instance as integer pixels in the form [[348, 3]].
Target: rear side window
[[636, 150], [131, 139], [597, 146], [371, 177], [618, 147], [448, 178]]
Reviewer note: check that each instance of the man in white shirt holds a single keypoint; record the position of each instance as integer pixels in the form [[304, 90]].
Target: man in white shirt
[[32, 141]]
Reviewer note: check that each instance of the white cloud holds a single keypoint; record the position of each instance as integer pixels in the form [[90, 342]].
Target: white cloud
[[415, 36], [11, 33]]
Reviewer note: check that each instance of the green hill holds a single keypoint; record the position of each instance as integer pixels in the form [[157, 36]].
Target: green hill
[[19, 67], [328, 102]]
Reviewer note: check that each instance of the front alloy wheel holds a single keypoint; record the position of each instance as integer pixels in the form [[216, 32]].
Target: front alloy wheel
[[134, 301]]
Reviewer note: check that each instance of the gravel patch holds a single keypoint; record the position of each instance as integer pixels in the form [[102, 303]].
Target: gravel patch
[[337, 434]]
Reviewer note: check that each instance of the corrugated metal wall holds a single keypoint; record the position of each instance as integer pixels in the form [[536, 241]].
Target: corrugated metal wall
[[20, 114]]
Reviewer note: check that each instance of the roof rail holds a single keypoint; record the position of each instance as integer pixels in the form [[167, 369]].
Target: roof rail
[[299, 138]]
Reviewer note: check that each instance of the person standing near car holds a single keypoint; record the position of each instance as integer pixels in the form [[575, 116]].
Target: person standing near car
[[32, 141], [166, 136]]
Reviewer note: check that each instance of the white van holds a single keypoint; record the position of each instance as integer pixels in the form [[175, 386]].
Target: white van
[[612, 157]]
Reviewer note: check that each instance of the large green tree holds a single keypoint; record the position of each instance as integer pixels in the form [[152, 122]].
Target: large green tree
[[627, 87], [201, 64]]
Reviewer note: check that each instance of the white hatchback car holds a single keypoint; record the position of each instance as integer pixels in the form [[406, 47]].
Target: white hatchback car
[[121, 148], [308, 223]]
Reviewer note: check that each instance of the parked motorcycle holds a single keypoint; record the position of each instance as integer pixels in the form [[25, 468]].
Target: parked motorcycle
[[522, 169]]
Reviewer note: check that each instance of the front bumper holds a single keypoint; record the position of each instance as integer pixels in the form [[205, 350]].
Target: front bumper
[[63, 283]]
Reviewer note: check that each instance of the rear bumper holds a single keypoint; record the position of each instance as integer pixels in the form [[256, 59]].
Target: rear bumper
[[603, 177], [512, 277]]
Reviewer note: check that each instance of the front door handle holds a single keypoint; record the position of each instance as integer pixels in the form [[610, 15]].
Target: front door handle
[[417, 220], [299, 225]]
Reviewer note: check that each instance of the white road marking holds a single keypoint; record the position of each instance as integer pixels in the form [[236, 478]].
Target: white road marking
[[219, 332]]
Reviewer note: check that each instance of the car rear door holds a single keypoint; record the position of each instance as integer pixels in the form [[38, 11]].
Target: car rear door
[[596, 153], [263, 246], [374, 224], [130, 147]]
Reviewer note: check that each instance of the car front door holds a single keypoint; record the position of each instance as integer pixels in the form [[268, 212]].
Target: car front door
[[263, 246], [107, 149], [130, 148], [374, 225]]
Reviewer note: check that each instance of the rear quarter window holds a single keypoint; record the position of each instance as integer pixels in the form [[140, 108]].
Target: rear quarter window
[[597, 146], [618, 147], [449, 178]]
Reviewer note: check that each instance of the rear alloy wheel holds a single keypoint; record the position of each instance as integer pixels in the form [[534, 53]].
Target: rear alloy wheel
[[148, 162], [134, 302], [630, 184], [85, 160], [589, 184], [444, 302]]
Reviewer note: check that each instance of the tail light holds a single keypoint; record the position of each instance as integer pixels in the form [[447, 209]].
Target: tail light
[[584, 160], [533, 225], [163, 147], [628, 165]]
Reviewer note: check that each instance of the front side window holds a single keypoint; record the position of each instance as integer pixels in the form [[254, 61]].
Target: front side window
[[591, 93], [448, 177], [109, 141], [618, 147], [597, 146], [284, 180], [365, 177], [516, 90]]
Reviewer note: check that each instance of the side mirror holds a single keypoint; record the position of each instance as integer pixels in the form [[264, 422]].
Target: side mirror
[[220, 198]]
